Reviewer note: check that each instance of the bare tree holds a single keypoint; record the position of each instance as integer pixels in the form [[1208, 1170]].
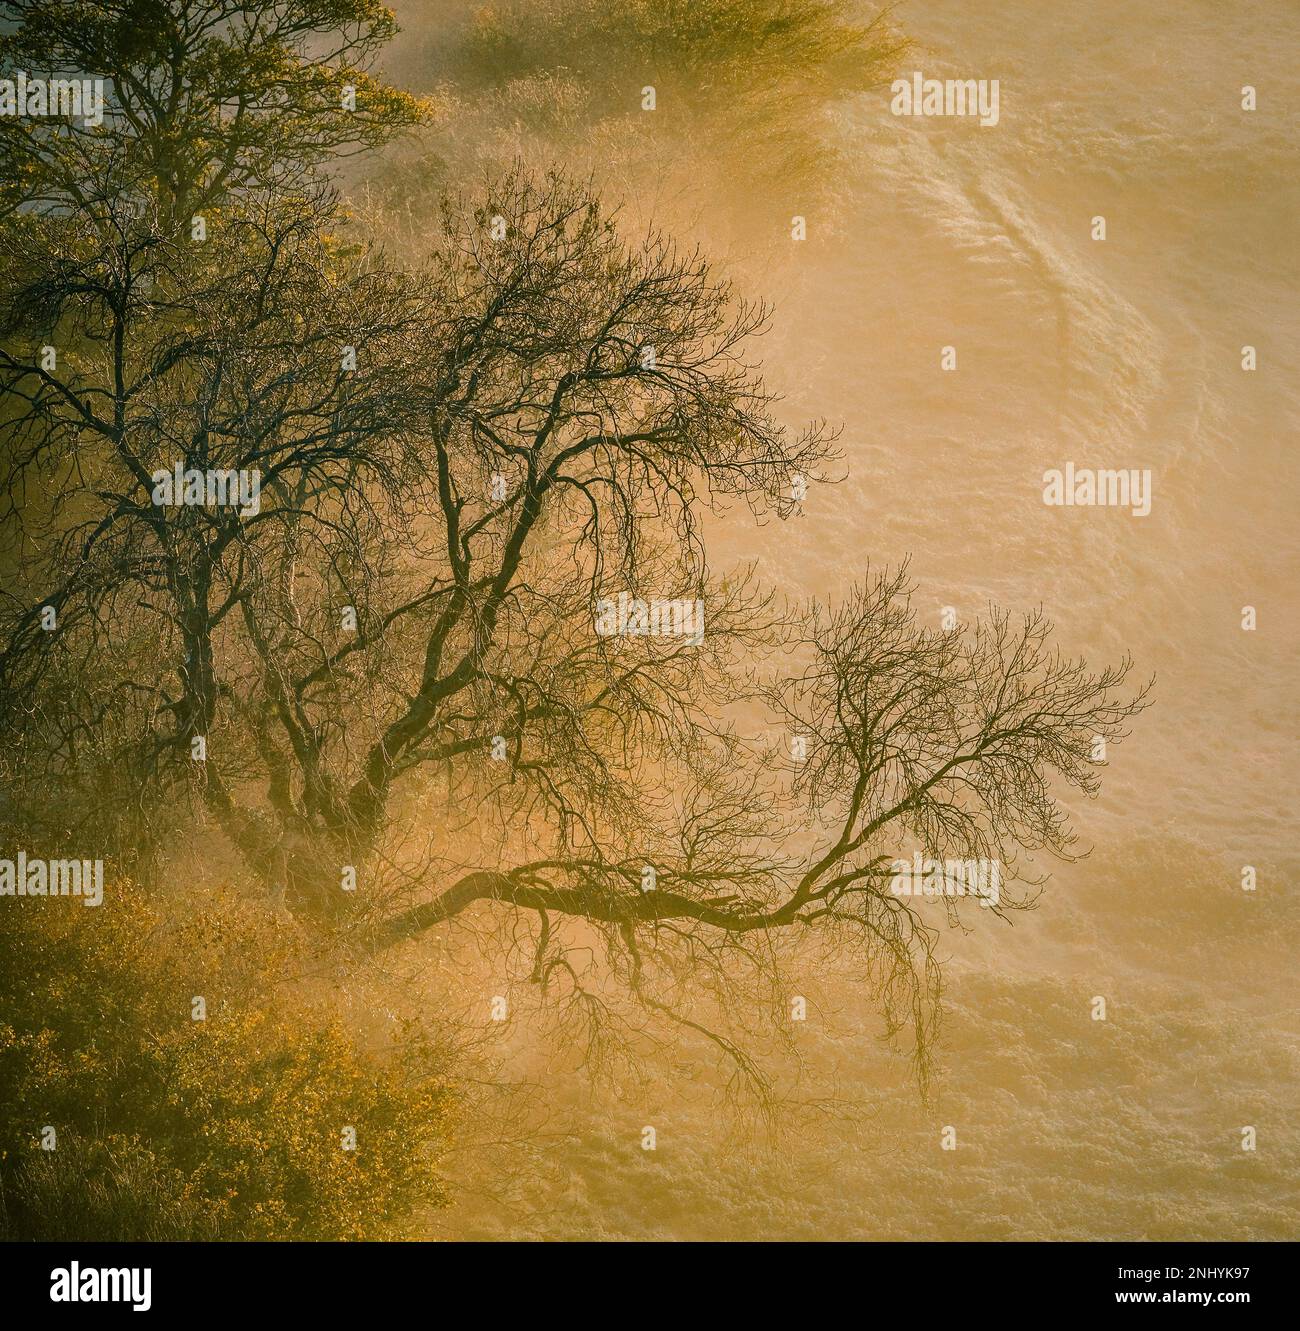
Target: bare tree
[[458, 465]]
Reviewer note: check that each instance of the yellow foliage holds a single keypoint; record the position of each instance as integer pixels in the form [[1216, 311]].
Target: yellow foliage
[[235, 1126]]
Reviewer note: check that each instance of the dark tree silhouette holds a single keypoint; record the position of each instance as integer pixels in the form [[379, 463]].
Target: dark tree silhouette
[[457, 464]]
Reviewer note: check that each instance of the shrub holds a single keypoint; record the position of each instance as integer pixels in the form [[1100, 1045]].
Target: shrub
[[173, 1128], [701, 45], [749, 81]]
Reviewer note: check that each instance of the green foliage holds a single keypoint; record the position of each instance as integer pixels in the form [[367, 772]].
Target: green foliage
[[171, 1128]]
